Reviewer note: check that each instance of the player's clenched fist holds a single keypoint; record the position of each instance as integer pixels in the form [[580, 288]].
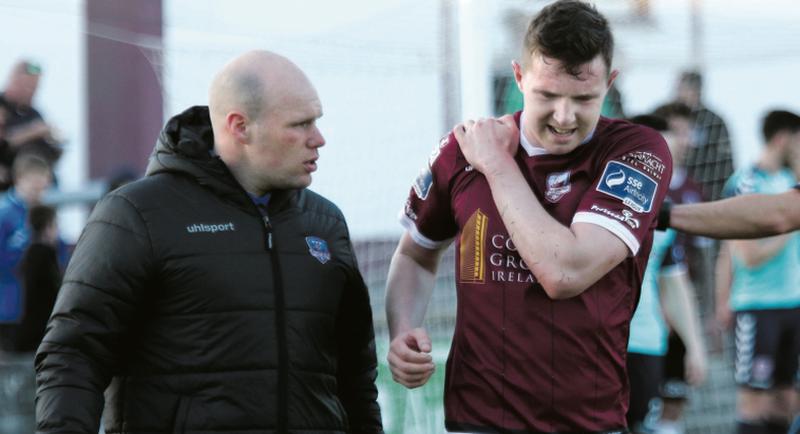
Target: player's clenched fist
[[409, 358]]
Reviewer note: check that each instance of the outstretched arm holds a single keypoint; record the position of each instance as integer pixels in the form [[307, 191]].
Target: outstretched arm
[[748, 216]]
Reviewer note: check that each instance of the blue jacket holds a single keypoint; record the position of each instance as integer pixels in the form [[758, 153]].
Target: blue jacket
[[14, 238]]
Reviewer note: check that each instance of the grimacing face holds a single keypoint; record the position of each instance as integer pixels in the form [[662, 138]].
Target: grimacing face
[[561, 109], [286, 140]]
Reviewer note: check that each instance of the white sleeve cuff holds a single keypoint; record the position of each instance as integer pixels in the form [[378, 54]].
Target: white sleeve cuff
[[614, 226], [418, 238]]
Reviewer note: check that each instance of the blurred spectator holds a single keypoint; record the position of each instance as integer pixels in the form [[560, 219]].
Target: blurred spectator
[[666, 298], [709, 160], [40, 274], [764, 296], [26, 130], [696, 251], [31, 177], [5, 152]]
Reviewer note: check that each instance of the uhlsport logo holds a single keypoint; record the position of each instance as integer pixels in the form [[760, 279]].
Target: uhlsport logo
[[210, 228]]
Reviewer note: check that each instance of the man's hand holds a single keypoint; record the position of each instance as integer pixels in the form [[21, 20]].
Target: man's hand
[[409, 358], [486, 143]]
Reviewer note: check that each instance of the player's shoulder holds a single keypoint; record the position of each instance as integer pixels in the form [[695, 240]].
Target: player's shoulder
[[629, 134], [446, 157], [633, 145]]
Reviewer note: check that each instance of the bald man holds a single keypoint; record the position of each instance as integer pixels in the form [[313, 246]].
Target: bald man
[[217, 294]]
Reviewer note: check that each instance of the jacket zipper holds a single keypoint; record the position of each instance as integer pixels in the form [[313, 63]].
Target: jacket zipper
[[280, 326]]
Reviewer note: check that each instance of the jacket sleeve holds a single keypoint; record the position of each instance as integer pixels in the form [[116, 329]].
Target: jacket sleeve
[[92, 318], [357, 364]]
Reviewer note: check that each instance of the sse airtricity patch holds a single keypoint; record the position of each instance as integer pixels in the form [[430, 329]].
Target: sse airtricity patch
[[318, 249], [422, 185], [633, 187]]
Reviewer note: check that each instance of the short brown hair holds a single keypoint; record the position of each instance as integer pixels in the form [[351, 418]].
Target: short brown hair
[[572, 31]]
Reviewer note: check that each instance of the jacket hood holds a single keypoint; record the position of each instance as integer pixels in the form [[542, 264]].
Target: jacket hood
[[185, 147]]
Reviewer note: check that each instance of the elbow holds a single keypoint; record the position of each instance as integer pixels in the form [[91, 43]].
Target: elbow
[[562, 286], [777, 224]]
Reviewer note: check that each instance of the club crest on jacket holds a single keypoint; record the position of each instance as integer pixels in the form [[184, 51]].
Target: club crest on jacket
[[318, 249]]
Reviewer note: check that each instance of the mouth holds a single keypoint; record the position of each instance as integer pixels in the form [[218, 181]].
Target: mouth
[[310, 165], [561, 132]]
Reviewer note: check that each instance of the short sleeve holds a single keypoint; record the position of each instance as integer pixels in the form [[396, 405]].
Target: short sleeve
[[632, 182], [427, 214]]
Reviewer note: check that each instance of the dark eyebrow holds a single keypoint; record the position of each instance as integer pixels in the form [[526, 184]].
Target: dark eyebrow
[[545, 93]]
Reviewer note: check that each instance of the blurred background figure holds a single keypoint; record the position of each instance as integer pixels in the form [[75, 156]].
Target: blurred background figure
[[674, 389], [26, 129], [31, 177], [659, 369], [764, 294], [40, 277], [40, 274], [709, 159]]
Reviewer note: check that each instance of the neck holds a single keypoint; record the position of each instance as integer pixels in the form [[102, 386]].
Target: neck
[[771, 159]]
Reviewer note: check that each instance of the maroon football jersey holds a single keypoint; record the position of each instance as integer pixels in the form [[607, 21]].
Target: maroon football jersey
[[519, 360]]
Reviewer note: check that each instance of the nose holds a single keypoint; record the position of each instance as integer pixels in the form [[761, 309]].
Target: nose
[[564, 113], [317, 140]]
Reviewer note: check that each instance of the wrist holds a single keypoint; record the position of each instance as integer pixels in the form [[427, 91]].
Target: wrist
[[499, 167], [664, 215]]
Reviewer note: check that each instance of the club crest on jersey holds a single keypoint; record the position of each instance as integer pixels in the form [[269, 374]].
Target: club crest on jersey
[[318, 249], [557, 186], [634, 188]]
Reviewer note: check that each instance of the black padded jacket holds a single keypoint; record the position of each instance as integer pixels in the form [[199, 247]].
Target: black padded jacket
[[196, 314]]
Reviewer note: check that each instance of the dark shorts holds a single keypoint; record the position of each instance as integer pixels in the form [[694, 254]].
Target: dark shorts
[[645, 376], [767, 348], [674, 385]]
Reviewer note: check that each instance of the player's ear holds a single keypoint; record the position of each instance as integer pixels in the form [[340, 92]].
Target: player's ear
[[612, 77], [517, 68]]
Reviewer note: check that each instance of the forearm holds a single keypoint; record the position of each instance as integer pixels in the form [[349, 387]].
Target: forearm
[[69, 396], [408, 290], [723, 277], [749, 216], [680, 308], [561, 264]]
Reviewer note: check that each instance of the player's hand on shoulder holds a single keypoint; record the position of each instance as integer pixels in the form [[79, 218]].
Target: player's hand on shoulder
[[409, 358], [488, 142]]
